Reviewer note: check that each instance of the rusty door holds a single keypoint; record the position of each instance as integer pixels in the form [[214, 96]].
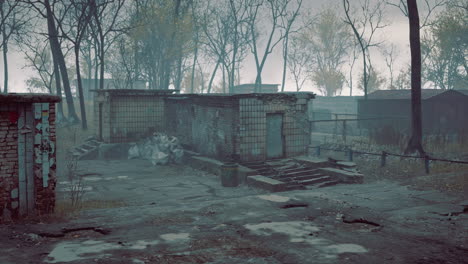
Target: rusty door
[[275, 139], [26, 128]]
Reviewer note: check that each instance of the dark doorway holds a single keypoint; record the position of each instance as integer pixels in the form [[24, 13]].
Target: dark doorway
[[274, 142]]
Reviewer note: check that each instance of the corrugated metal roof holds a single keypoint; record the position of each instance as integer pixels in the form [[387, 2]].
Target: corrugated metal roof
[[406, 94]]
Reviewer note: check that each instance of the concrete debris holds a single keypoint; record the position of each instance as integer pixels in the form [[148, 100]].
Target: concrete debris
[[159, 149]]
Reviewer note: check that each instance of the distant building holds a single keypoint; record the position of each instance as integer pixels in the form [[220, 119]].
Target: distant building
[[250, 88], [90, 84], [443, 111]]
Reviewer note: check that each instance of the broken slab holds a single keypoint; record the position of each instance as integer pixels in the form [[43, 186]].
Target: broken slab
[[313, 162], [266, 183], [342, 175]]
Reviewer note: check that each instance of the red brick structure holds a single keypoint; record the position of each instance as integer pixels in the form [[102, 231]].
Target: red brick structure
[[27, 154]]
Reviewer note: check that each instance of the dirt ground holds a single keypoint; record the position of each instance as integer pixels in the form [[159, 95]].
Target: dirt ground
[[134, 212]]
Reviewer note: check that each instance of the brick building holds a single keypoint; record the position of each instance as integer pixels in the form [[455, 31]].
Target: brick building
[[244, 126], [27, 154]]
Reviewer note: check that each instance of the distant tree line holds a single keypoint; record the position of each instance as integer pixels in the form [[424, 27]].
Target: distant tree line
[[201, 46]]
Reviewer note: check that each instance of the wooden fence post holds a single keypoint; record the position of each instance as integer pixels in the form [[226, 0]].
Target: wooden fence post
[[426, 164], [383, 159]]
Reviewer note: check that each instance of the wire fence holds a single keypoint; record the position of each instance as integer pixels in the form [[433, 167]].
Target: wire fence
[[382, 131], [383, 156]]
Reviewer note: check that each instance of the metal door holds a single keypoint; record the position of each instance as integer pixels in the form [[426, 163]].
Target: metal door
[[275, 141]]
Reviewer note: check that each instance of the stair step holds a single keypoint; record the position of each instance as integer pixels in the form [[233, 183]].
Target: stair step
[[294, 170], [308, 177], [296, 186], [301, 173], [316, 181], [327, 183]]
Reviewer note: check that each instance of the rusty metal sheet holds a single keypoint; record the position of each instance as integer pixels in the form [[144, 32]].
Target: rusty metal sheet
[[274, 141]]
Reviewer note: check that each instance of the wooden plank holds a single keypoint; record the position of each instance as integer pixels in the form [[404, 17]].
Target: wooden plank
[[23, 198], [29, 160], [45, 145]]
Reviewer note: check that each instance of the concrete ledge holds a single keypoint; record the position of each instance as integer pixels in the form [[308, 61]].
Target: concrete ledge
[[203, 163], [214, 166], [243, 173], [342, 175], [266, 183], [313, 162]]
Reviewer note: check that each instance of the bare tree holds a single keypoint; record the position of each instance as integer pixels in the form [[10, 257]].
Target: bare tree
[[106, 27], [364, 26], [415, 142], [430, 7], [78, 16], [13, 17], [287, 27], [390, 54], [328, 40], [353, 56], [277, 15], [53, 13], [299, 60]]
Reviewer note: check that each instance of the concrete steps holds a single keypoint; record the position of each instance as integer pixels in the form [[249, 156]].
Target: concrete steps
[[302, 173], [86, 151]]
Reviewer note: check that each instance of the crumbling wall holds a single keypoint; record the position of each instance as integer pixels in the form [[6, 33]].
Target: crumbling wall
[[27, 156], [8, 160], [207, 125]]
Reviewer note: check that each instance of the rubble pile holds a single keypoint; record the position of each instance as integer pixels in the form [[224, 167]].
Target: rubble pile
[[160, 149]]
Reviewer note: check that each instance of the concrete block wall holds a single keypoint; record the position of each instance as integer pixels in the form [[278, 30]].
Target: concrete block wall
[[253, 130], [27, 155], [205, 125], [135, 117]]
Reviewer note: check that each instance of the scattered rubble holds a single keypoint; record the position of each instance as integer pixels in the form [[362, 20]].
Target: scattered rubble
[[159, 149]]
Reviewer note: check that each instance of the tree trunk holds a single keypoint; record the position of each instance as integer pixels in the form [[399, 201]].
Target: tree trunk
[[58, 90], [212, 77], [55, 47], [5, 52], [285, 61], [5, 65], [415, 142], [101, 56], [84, 123], [195, 55]]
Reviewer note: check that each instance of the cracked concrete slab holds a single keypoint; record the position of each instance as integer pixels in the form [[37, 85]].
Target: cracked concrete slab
[[176, 214]]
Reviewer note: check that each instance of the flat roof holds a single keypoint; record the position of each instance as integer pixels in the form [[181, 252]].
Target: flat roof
[[29, 98], [406, 94]]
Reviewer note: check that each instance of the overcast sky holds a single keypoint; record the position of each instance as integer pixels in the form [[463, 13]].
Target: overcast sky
[[396, 32]]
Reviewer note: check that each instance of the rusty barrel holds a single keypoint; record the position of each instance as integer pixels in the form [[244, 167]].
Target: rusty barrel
[[229, 174]]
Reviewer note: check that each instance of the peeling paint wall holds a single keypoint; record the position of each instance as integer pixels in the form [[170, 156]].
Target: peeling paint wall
[[206, 124], [27, 159]]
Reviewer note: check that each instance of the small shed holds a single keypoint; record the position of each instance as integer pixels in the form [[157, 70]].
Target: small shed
[[27, 154], [248, 127], [443, 111]]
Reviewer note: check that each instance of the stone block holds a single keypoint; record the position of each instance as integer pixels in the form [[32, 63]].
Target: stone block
[[266, 183], [313, 162]]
